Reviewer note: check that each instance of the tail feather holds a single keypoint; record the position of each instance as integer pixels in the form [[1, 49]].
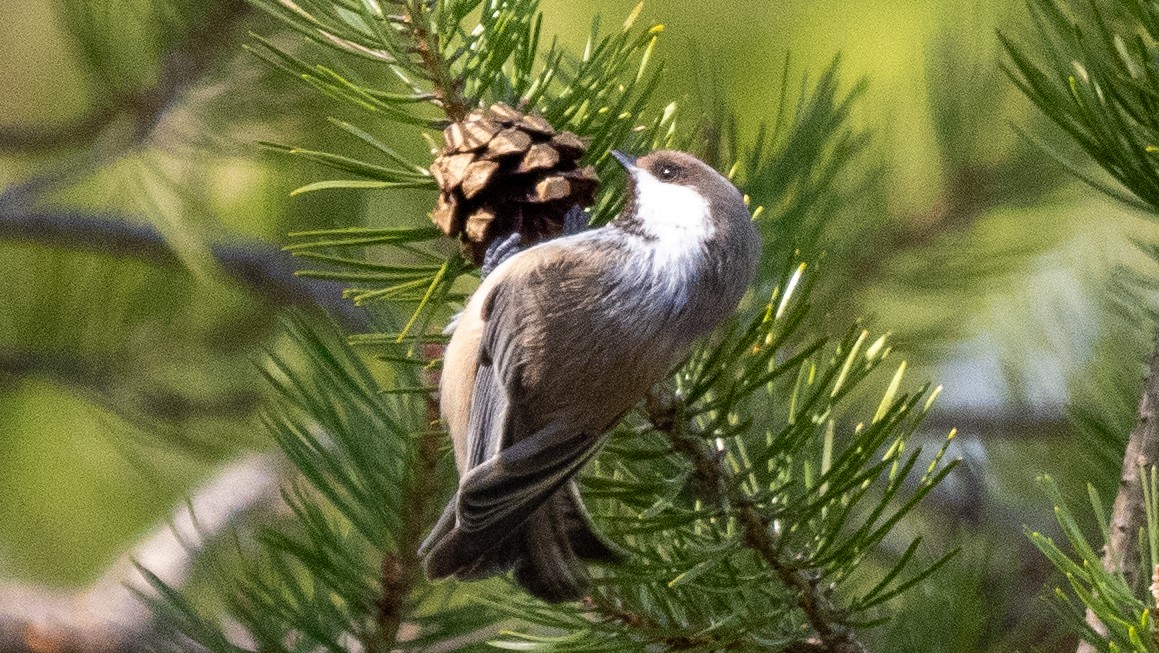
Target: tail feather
[[450, 551], [442, 528], [545, 551], [549, 568]]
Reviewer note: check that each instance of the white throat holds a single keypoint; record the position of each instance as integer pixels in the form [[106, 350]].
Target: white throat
[[676, 223]]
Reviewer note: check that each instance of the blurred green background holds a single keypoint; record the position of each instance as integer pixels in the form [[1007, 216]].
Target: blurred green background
[[995, 275]]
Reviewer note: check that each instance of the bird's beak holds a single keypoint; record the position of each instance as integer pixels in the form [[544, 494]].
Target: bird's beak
[[626, 160]]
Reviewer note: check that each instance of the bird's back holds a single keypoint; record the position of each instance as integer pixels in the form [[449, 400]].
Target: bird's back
[[575, 344]]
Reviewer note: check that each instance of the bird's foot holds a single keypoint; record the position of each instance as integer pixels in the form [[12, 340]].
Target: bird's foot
[[500, 250], [574, 221]]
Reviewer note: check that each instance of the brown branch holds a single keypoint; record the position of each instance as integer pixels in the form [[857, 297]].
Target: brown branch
[[1121, 554], [446, 85], [714, 482], [819, 611], [39, 138], [97, 378], [608, 611], [400, 570], [263, 269]]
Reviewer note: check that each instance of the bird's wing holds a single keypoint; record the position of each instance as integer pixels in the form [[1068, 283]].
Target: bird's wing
[[488, 417], [497, 498], [501, 493], [515, 458]]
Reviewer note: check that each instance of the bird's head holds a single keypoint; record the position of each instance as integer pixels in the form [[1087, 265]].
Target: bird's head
[[674, 194]]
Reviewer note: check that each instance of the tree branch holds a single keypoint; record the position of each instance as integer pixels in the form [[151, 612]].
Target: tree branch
[[39, 138], [95, 378], [1121, 554], [257, 266], [186, 61], [446, 85], [643, 623], [400, 570], [714, 482]]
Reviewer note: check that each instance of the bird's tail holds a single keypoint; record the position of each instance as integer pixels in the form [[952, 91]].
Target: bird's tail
[[545, 551]]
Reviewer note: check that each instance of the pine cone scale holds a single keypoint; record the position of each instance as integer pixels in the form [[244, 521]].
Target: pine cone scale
[[476, 177], [541, 156], [508, 142]]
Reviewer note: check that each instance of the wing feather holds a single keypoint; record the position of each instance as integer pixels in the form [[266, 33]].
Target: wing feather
[[488, 415], [553, 371], [516, 459]]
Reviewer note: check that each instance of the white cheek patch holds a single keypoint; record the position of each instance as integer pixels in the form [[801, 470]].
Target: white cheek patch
[[671, 210], [677, 220]]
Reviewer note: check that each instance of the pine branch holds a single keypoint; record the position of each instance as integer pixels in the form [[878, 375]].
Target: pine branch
[[1142, 452], [360, 507], [267, 271], [642, 622], [719, 487], [400, 570], [1098, 86], [1094, 78], [339, 570], [446, 85], [751, 441]]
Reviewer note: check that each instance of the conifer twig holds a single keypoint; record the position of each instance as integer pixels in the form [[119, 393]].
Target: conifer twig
[[1121, 554], [714, 483], [400, 570], [426, 44], [642, 622]]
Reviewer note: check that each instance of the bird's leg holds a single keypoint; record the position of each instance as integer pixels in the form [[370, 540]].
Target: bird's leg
[[498, 251], [501, 249]]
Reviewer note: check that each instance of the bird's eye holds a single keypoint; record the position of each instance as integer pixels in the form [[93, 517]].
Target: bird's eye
[[668, 172]]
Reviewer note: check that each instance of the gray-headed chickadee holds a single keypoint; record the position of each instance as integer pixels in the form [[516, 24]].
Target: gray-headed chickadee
[[556, 345]]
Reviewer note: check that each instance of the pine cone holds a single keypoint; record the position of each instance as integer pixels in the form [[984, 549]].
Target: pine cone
[[503, 171]]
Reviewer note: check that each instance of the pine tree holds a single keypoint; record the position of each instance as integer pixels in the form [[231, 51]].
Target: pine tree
[[752, 491]]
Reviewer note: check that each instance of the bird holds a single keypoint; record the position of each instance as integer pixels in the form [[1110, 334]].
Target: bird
[[557, 344]]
